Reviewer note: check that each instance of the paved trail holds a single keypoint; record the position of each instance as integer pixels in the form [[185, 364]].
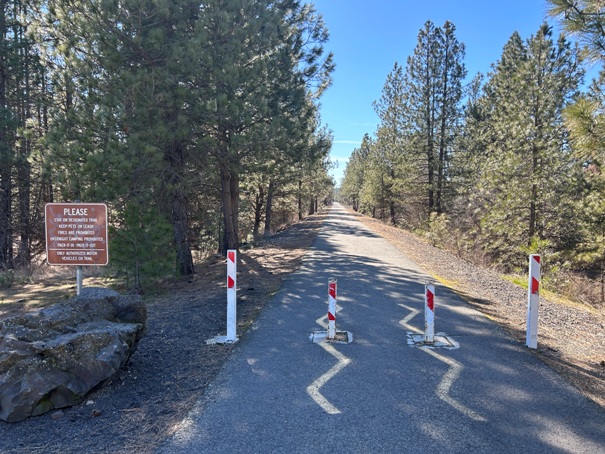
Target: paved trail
[[280, 393]]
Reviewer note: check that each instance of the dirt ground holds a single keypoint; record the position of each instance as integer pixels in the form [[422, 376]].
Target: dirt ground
[[173, 365]]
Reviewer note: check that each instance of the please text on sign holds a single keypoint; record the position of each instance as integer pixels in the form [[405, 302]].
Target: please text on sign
[[76, 233]]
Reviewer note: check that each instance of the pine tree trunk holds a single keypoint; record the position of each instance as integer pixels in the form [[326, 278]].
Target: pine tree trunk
[[24, 169], [269, 207], [180, 224], [431, 189], [442, 141], [602, 285], [24, 182], [184, 259], [234, 181], [258, 211], [6, 233], [430, 153], [231, 239], [533, 197], [300, 212]]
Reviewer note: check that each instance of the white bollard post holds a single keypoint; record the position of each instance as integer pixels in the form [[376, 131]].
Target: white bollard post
[[331, 308], [429, 313], [533, 301], [231, 295]]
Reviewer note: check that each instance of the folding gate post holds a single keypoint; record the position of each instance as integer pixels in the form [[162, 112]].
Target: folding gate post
[[533, 301], [231, 295], [331, 308], [429, 313]]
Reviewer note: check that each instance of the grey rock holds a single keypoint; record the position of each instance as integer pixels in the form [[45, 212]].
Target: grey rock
[[53, 358]]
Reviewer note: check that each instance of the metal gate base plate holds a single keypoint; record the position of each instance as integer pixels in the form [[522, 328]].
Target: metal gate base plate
[[441, 341], [340, 337]]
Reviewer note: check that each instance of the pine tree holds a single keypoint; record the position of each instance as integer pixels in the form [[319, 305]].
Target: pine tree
[[376, 195], [450, 90], [433, 87], [6, 141], [153, 104], [354, 173], [422, 78], [123, 135], [526, 184], [585, 20], [262, 59], [389, 141], [22, 93]]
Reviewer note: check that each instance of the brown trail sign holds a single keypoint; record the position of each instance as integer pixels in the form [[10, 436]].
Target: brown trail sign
[[76, 234]]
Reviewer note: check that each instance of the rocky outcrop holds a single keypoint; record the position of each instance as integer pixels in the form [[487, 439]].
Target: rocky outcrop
[[52, 358]]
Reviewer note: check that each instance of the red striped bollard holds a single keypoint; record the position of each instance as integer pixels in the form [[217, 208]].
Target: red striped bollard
[[533, 301], [231, 295], [429, 313], [331, 308]]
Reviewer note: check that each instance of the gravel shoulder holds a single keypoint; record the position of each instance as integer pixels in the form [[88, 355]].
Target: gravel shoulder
[[173, 365]]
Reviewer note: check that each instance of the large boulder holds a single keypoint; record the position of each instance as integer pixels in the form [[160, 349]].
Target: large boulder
[[52, 358]]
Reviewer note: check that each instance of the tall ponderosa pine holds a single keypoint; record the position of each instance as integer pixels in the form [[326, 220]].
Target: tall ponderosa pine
[[433, 87], [389, 141], [6, 143], [526, 183], [453, 72]]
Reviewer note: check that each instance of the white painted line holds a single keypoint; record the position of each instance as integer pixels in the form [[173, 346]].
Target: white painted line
[[443, 389], [413, 313], [313, 388]]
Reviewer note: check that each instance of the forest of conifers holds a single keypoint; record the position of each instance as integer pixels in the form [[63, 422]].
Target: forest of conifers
[[196, 123], [507, 165]]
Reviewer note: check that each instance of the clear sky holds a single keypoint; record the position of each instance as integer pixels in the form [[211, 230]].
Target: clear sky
[[368, 37]]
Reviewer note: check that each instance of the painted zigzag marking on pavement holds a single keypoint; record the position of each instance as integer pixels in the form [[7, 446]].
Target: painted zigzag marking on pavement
[[444, 386], [343, 361], [443, 389]]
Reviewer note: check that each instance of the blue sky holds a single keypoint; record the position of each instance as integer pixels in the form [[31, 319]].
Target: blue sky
[[368, 37]]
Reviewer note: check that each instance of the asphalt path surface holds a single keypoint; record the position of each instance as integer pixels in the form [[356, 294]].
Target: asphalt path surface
[[282, 393]]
